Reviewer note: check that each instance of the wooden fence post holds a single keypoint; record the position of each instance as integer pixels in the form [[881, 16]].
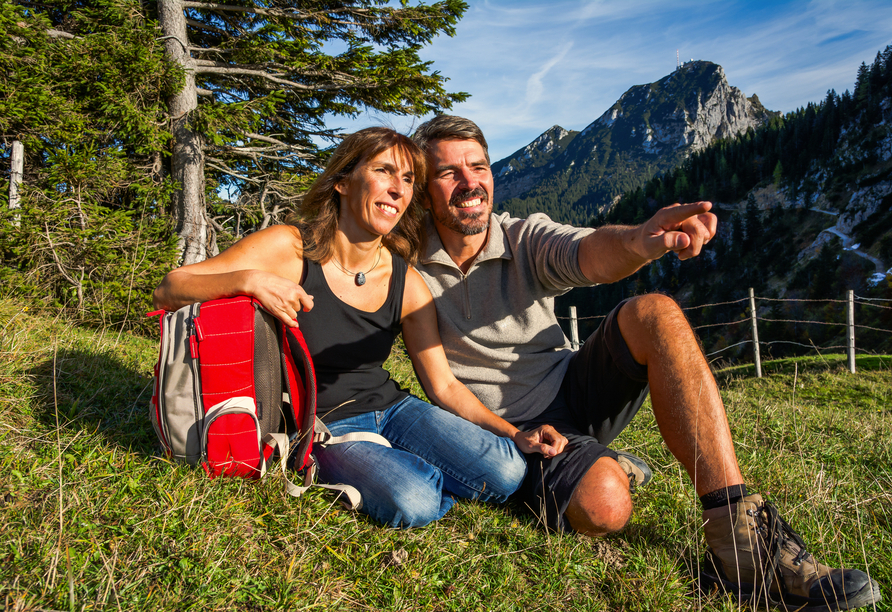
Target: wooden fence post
[[574, 330], [17, 167], [757, 358], [850, 330]]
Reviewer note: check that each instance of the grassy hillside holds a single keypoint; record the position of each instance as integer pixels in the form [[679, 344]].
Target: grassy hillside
[[91, 517]]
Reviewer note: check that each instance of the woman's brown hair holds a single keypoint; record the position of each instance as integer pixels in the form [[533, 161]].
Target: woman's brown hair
[[317, 215]]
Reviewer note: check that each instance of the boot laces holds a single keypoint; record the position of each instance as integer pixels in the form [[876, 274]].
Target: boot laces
[[777, 535]]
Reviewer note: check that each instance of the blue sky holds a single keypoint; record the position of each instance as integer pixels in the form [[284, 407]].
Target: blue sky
[[530, 65]]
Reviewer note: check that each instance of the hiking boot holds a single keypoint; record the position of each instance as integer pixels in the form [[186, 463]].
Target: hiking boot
[[754, 554], [635, 468]]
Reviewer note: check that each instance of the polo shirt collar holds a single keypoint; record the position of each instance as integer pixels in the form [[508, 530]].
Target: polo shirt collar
[[496, 244]]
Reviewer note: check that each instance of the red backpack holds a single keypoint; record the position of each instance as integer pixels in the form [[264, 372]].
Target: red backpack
[[232, 385]]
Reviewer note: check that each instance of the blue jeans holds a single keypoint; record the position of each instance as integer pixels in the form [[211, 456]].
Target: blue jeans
[[436, 457]]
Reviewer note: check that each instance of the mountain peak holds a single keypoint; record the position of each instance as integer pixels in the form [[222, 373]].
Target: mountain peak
[[650, 128], [535, 155], [686, 109]]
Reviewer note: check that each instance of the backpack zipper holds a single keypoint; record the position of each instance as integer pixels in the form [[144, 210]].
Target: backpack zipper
[[160, 412], [196, 367]]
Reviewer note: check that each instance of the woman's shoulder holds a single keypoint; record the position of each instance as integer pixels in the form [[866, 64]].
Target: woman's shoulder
[[416, 288], [279, 238], [271, 249], [282, 232]]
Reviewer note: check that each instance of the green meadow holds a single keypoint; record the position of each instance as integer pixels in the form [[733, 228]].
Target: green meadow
[[92, 517]]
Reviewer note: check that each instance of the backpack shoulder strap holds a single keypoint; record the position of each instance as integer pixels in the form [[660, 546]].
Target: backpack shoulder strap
[[323, 437], [351, 497]]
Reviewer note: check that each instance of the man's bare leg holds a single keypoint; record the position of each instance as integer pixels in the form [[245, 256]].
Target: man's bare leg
[[692, 421], [684, 395], [687, 406]]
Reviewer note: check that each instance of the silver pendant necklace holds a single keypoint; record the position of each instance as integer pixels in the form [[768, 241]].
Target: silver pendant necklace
[[358, 277]]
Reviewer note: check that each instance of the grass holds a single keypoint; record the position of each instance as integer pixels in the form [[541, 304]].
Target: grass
[[92, 518]]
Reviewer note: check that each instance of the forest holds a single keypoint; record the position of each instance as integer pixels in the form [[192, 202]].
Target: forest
[[771, 180], [156, 133]]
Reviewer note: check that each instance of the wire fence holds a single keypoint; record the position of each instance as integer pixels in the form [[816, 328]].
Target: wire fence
[[754, 319]]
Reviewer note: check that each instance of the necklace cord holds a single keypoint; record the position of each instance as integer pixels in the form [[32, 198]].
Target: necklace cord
[[359, 277]]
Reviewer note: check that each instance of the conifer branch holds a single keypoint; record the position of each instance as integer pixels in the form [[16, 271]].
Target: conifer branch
[[205, 26], [337, 80], [61, 34], [276, 12], [220, 165]]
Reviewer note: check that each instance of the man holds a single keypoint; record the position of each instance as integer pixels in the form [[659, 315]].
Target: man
[[494, 279]]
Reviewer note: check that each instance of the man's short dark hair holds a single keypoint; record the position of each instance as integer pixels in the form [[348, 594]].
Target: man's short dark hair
[[449, 127]]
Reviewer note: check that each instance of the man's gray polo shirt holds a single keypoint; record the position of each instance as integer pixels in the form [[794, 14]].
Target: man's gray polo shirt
[[497, 322]]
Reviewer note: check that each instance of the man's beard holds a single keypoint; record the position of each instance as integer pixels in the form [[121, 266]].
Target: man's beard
[[461, 222]]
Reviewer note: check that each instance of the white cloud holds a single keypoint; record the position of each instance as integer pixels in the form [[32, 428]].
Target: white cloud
[[534, 83]]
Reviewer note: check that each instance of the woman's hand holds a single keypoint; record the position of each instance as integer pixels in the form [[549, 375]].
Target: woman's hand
[[545, 440], [282, 298], [267, 265]]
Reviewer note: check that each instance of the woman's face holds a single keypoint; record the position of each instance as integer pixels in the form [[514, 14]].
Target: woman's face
[[377, 193]]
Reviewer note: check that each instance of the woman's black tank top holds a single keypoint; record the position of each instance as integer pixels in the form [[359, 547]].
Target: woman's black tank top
[[349, 347]]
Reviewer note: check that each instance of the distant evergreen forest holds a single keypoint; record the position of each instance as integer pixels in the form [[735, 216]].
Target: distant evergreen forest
[[587, 191], [822, 151], [783, 151]]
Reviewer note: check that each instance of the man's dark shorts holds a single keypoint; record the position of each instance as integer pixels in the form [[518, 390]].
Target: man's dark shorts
[[603, 389]]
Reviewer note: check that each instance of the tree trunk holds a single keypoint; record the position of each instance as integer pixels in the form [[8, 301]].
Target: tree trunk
[[17, 167], [197, 239]]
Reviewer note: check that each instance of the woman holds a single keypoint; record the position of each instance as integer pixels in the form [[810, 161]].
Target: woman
[[341, 271]]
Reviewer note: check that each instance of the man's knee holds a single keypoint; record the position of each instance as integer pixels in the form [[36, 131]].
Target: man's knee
[[652, 309], [654, 322], [601, 503]]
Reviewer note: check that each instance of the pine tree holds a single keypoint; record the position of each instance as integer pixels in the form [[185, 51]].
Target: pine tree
[[778, 174], [862, 87], [83, 87], [753, 223], [261, 79]]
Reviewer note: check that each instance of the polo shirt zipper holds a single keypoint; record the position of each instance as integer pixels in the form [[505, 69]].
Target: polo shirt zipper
[[467, 296]]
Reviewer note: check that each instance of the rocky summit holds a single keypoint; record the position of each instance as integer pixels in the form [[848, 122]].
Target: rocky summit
[[574, 176]]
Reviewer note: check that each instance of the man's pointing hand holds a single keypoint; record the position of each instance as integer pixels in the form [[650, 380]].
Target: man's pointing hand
[[680, 228]]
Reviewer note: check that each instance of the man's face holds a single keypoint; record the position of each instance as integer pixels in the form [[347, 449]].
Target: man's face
[[460, 186]]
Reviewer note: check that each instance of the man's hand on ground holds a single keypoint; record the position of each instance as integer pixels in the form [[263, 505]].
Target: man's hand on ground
[[545, 440], [681, 228]]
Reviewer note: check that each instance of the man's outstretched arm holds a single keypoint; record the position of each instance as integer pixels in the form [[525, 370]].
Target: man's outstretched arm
[[617, 251]]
